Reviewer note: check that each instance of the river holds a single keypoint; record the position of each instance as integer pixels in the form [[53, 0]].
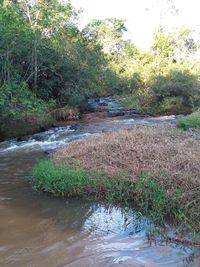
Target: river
[[40, 230]]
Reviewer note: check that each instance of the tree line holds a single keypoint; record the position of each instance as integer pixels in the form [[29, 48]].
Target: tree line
[[46, 62]]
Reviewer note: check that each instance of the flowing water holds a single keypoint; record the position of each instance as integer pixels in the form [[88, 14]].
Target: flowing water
[[39, 230]]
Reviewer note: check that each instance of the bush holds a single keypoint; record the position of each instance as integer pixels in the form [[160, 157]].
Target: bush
[[191, 121], [168, 106], [16, 101], [176, 92], [130, 102], [21, 112], [66, 113]]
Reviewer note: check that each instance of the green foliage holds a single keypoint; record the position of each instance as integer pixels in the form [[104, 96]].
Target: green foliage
[[163, 45], [176, 84], [165, 80], [58, 180], [107, 33], [21, 112], [163, 203], [45, 59], [17, 101], [176, 92], [130, 102], [191, 121]]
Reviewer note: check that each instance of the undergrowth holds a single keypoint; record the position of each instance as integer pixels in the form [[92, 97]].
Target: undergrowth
[[191, 121]]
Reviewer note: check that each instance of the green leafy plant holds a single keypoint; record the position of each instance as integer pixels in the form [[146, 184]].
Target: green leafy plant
[[191, 121]]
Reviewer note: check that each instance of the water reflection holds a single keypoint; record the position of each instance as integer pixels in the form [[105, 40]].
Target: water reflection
[[115, 221]]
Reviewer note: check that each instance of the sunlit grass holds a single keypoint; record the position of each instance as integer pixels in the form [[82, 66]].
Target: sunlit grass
[[191, 121]]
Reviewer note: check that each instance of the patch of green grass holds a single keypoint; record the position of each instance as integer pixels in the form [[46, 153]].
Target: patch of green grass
[[65, 181], [191, 121], [146, 193], [151, 197], [156, 202]]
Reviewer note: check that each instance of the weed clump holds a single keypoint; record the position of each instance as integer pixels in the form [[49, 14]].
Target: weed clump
[[191, 121]]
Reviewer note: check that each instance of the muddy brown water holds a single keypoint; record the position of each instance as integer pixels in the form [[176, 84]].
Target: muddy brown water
[[39, 230]]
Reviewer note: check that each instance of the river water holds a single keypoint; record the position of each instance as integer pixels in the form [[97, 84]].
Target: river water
[[40, 230]]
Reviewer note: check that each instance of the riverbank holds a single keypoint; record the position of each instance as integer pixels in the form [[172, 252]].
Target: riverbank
[[33, 123], [96, 109], [154, 168], [17, 128]]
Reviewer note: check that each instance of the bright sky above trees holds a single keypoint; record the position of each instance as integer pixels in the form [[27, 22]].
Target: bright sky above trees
[[142, 17]]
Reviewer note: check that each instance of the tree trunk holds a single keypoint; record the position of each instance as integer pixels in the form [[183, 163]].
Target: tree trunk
[[35, 66], [7, 65]]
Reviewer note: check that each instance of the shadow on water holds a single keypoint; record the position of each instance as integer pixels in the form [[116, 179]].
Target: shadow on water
[[39, 230]]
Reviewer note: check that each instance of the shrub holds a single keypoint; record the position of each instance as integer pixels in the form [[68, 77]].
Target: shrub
[[16, 101], [65, 113], [191, 121], [175, 92]]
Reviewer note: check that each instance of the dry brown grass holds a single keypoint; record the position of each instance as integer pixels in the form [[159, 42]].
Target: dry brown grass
[[170, 155], [141, 149], [65, 114]]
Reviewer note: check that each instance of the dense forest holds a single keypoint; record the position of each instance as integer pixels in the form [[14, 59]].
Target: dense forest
[[47, 63]]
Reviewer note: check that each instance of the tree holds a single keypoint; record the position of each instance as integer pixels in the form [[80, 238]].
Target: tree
[[107, 33], [46, 19]]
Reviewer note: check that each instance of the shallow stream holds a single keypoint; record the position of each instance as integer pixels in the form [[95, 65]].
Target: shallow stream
[[39, 230]]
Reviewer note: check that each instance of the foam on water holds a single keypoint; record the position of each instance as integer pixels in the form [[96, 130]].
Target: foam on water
[[147, 120], [51, 139], [59, 136]]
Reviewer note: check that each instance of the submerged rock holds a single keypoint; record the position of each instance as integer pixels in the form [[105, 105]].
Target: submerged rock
[[23, 138], [74, 127], [50, 151]]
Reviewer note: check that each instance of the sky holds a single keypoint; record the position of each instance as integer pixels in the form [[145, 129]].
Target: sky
[[142, 17]]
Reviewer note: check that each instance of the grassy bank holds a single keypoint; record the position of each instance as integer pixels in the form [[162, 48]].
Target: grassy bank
[[157, 169], [191, 121], [22, 125]]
